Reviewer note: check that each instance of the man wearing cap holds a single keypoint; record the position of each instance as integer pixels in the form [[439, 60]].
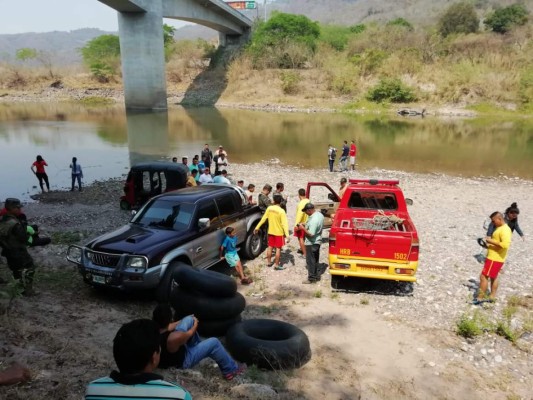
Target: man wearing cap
[[313, 239], [14, 239]]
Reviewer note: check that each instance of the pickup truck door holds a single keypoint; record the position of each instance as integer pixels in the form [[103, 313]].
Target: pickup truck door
[[324, 199], [231, 214], [205, 248]]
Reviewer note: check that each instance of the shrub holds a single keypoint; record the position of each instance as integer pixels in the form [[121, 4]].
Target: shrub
[[503, 19], [282, 31], [290, 81], [336, 36], [525, 90], [401, 22], [469, 327], [359, 28], [392, 90], [458, 18]]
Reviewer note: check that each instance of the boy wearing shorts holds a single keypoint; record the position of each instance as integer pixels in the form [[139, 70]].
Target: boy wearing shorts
[[229, 245], [498, 244]]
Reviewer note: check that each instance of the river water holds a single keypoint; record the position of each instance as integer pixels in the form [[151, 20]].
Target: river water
[[106, 141]]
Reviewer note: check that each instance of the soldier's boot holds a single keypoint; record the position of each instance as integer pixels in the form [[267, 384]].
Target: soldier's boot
[[28, 282]]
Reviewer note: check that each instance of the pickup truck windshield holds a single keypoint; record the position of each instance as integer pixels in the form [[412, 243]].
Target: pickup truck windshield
[[373, 200], [166, 215]]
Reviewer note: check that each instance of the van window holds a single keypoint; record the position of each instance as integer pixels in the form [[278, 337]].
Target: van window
[[373, 201], [208, 210]]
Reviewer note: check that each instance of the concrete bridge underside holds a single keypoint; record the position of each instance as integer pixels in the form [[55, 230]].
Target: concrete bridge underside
[[141, 41]]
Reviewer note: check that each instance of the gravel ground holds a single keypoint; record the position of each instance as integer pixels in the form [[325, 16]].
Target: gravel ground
[[418, 322]]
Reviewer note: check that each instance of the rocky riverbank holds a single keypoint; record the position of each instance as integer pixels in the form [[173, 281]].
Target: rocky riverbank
[[389, 340]]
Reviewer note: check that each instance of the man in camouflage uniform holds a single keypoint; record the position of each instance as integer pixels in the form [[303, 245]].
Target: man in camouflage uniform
[[14, 241]]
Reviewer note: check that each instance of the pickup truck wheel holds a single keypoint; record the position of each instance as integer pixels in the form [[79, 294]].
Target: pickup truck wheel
[[268, 344], [211, 283], [216, 327], [187, 302], [167, 283], [253, 246]]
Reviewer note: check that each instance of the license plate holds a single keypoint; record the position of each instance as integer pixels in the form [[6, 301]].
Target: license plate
[[381, 270], [99, 279]]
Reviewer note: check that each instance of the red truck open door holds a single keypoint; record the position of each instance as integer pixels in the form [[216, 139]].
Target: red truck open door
[[325, 199]]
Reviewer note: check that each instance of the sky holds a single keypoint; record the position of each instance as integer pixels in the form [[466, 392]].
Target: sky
[[20, 16]]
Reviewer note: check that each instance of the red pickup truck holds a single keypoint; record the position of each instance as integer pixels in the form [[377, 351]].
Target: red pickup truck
[[372, 234]]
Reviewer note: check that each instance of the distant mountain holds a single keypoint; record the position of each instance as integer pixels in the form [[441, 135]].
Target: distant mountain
[[62, 46]]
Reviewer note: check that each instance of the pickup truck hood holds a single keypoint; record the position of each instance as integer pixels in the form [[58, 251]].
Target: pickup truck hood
[[135, 239]]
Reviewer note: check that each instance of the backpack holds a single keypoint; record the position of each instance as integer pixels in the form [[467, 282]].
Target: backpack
[[333, 153]]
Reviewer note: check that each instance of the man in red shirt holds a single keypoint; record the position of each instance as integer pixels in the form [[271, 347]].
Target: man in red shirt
[[353, 153]]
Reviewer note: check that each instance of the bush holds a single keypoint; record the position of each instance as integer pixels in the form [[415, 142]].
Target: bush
[[459, 18], [469, 327], [290, 81], [336, 36], [401, 22], [392, 90], [369, 61], [286, 31], [525, 90], [503, 19], [359, 28]]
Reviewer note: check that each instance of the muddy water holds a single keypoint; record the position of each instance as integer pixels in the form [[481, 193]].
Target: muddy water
[[106, 141]]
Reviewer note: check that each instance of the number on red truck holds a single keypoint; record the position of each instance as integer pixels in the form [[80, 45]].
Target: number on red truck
[[372, 234]]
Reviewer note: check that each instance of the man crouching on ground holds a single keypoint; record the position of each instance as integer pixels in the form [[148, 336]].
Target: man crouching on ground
[[136, 352]]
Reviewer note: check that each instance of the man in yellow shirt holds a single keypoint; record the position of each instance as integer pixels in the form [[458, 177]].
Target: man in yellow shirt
[[278, 230], [301, 218], [498, 244]]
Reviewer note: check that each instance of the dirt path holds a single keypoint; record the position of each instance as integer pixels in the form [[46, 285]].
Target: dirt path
[[379, 342]]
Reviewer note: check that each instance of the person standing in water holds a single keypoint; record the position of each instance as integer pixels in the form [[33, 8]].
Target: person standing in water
[[38, 169], [77, 173]]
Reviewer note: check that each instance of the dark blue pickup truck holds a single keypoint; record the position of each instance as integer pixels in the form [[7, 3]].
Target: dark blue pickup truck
[[183, 226]]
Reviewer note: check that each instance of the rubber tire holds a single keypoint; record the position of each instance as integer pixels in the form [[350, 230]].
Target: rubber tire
[[336, 281], [252, 248], [482, 243], [124, 205], [268, 344], [217, 327], [210, 283], [205, 307], [167, 283]]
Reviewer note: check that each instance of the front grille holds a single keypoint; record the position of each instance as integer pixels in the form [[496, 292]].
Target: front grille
[[103, 259]]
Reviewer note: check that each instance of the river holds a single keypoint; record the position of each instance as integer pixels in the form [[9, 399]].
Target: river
[[106, 141]]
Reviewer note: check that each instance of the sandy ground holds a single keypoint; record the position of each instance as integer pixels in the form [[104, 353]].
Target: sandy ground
[[377, 341]]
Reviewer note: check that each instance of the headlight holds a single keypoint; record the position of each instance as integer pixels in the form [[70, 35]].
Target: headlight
[[137, 262], [74, 254]]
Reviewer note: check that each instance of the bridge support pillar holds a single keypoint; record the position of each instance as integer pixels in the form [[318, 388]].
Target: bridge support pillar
[[143, 57]]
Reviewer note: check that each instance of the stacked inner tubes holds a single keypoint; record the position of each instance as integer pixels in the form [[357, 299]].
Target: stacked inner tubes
[[211, 296]]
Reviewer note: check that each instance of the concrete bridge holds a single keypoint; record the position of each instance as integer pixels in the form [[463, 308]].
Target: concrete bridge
[[140, 24]]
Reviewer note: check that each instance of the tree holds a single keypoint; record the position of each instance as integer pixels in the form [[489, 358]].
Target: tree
[[459, 18], [26, 54], [102, 56], [503, 19], [280, 31]]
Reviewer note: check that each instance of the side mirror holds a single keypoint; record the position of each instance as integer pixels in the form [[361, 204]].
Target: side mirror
[[409, 202], [204, 223]]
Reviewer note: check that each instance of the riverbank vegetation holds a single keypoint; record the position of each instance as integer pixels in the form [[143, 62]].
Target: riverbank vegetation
[[469, 58]]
